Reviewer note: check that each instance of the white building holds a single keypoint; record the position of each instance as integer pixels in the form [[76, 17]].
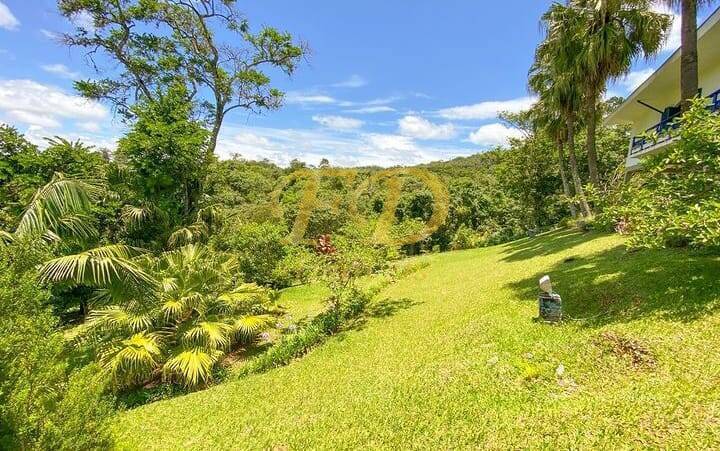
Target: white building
[[654, 105]]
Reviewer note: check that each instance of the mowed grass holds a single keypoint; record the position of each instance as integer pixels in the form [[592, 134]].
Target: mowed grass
[[451, 357]]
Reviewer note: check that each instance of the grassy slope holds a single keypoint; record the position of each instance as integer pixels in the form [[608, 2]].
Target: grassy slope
[[453, 358]]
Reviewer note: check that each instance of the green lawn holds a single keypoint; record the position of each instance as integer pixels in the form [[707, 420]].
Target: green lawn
[[452, 358]]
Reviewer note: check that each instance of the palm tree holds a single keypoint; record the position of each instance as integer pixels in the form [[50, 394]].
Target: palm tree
[[613, 33], [60, 208], [196, 315], [554, 78], [689, 80], [552, 123]]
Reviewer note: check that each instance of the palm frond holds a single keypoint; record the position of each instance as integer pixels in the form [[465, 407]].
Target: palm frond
[[101, 266], [215, 335], [210, 215], [6, 237], [134, 359], [193, 365], [169, 284], [60, 198], [76, 225], [172, 308], [187, 235], [133, 216], [247, 327], [116, 317], [243, 297]]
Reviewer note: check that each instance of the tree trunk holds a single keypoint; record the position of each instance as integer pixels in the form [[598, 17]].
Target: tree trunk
[[212, 143], [563, 176], [688, 54], [590, 141], [585, 207]]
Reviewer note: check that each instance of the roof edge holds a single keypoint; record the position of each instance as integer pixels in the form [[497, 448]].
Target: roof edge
[[707, 24]]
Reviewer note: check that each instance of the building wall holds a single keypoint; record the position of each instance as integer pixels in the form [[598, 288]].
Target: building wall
[[663, 97]]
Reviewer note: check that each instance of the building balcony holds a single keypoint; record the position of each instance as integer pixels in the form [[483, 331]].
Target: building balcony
[[662, 133]]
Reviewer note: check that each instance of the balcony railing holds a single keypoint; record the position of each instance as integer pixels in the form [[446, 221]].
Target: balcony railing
[[663, 130]]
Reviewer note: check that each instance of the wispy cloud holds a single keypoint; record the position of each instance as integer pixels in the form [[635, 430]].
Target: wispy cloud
[[338, 122], [418, 127], [50, 34], [7, 20], [302, 98], [494, 135], [355, 81], [61, 70], [372, 109], [486, 110]]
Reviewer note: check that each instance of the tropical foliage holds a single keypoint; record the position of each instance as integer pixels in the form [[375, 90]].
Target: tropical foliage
[[675, 200], [46, 399], [196, 312]]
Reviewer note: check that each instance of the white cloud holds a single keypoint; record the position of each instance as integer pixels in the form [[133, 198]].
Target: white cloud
[[301, 98], [60, 70], [50, 34], [382, 101], [83, 21], [674, 37], [494, 135], [345, 149], [418, 127], [38, 135], [7, 20], [338, 122], [487, 110], [355, 81], [89, 126], [33, 118], [390, 142], [372, 109], [635, 78], [32, 103]]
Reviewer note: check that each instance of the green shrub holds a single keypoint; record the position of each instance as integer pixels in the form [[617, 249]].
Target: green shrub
[[44, 403], [467, 238], [675, 200], [298, 266], [259, 249]]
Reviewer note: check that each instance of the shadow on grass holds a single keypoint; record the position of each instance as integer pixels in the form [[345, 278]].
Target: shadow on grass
[[383, 308], [545, 244], [617, 286]]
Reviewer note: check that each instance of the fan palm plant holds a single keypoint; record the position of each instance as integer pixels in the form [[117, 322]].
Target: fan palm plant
[[197, 313], [613, 34], [207, 220], [689, 79]]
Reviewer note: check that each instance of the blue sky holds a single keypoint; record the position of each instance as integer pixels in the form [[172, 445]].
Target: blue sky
[[387, 82]]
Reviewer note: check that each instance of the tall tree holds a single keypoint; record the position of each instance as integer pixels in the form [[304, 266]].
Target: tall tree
[[551, 122], [165, 154], [613, 33], [158, 43], [689, 79], [555, 79]]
